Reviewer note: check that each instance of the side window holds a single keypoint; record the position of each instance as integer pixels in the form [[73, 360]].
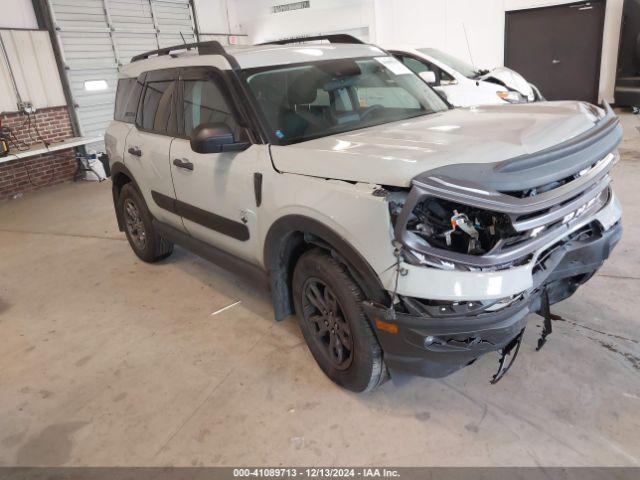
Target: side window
[[416, 66], [157, 111], [204, 102], [445, 77], [127, 98]]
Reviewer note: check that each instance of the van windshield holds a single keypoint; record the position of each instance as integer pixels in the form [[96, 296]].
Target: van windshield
[[323, 98], [456, 64]]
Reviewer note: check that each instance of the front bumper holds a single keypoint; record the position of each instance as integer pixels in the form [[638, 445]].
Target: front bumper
[[436, 347]]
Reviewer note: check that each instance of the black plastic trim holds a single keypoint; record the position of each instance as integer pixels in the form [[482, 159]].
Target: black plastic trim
[[282, 244], [257, 188], [335, 38], [539, 168], [117, 169], [208, 252], [224, 225], [204, 48]]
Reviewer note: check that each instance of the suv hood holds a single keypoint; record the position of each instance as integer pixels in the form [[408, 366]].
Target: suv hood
[[394, 153], [510, 79]]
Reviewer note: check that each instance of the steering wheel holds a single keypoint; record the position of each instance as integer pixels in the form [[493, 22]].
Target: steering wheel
[[370, 111]]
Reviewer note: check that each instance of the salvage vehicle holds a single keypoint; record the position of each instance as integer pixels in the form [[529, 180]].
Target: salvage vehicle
[[462, 84], [405, 235]]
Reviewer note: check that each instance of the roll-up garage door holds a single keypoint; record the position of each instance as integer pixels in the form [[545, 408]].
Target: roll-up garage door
[[97, 37]]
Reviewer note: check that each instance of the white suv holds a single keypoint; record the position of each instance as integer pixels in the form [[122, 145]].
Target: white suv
[[462, 84], [406, 236]]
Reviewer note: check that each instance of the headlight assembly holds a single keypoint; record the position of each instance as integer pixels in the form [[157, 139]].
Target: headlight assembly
[[511, 96]]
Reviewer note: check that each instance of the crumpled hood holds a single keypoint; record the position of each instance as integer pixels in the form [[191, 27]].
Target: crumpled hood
[[510, 79], [394, 153]]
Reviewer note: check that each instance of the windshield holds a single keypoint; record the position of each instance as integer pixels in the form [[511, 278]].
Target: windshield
[[458, 65], [323, 98]]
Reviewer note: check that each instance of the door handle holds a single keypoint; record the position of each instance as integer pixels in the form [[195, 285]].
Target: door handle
[[555, 61], [135, 151], [183, 163]]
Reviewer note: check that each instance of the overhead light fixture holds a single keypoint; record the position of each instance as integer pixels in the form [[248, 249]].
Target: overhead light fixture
[[95, 85]]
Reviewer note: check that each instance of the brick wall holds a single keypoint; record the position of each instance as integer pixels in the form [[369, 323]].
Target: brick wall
[[27, 174]]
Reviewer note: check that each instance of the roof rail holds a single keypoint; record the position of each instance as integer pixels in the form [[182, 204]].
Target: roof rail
[[334, 38], [204, 48]]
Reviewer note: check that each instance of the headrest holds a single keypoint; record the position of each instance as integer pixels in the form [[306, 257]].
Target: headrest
[[304, 89]]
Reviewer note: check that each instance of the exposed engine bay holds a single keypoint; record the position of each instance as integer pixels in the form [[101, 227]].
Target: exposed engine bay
[[459, 228]]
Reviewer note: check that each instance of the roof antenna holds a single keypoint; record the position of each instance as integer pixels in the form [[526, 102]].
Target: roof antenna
[[468, 46]]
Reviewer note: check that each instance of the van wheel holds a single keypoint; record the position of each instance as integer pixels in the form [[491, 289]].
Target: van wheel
[[138, 226], [328, 304]]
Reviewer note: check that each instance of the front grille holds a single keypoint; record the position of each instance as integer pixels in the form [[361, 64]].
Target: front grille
[[511, 226]]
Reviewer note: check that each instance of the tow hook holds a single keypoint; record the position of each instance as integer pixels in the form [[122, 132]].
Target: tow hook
[[545, 312], [505, 353], [514, 345]]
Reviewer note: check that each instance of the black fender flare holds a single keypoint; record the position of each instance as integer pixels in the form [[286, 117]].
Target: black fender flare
[[117, 169], [289, 237]]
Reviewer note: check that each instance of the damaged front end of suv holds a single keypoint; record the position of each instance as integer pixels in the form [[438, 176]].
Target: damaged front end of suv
[[546, 221]]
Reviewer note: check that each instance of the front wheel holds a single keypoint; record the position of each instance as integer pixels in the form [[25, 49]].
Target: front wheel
[[329, 308]]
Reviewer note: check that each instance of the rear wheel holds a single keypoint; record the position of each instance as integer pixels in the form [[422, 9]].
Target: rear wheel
[[138, 227], [328, 306]]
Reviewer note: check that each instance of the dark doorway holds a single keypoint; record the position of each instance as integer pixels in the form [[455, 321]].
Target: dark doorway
[[628, 74], [558, 48]]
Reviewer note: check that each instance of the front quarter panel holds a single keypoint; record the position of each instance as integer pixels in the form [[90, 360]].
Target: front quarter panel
[[351, 210]]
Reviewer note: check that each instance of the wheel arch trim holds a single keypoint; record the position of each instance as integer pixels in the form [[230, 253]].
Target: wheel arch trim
[[117, 169], [278, 258]]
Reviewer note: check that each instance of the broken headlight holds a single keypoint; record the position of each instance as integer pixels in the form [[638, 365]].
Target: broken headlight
[[459, 228]]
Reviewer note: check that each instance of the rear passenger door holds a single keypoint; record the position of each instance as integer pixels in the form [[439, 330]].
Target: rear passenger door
[[148, 145], [215, 191]]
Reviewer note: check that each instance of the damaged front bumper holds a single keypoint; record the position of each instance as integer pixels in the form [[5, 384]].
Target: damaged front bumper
[[431, 345]]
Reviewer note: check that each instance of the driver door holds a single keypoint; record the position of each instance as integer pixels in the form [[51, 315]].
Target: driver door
[[214, 191]]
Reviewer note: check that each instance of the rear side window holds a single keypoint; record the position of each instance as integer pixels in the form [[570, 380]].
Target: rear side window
[[127, 98], [157, 108]]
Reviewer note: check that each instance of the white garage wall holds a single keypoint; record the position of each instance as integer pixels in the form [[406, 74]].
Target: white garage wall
[[437, 23], [254, 18], [440, 23], [35, 70], [212, 16], [17, 14]]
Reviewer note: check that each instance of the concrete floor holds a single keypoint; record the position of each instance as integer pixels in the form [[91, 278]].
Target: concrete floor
[[105, 360]]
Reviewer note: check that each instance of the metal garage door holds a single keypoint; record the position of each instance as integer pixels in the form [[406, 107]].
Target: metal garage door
[[558, 48], [97, 37]]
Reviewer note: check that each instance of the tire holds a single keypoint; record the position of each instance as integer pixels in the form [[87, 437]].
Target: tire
[[143, 239], [328, 304]]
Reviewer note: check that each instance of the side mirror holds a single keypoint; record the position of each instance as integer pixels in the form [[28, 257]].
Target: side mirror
[[215, 138], [429, 77]]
